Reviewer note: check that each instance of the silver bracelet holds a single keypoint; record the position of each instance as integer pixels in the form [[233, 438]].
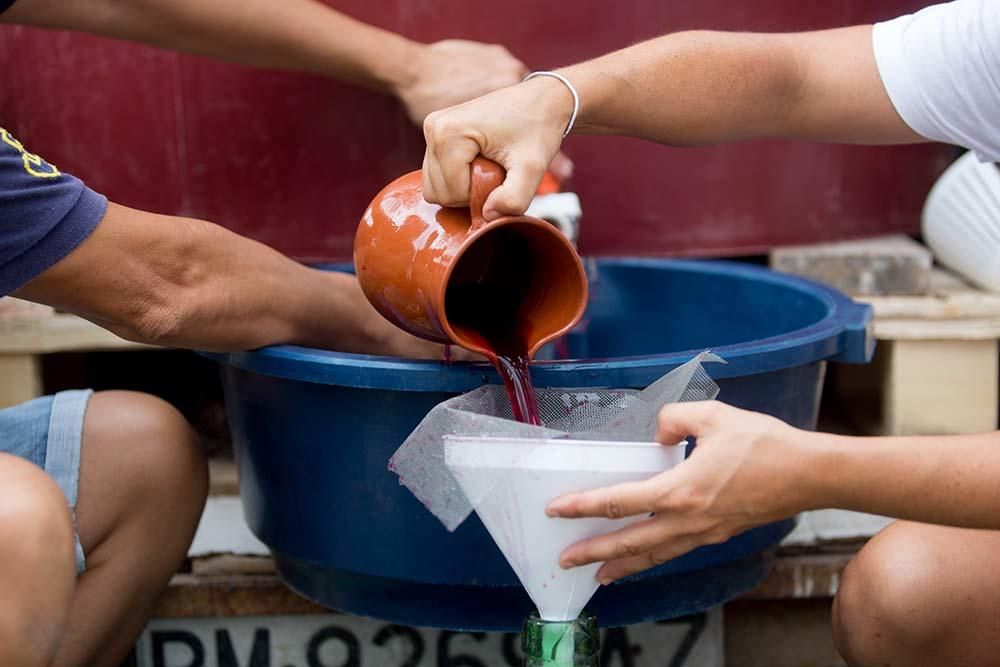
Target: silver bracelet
[[572, 90]]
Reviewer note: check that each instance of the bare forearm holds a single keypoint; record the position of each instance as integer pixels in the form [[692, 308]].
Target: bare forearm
[[750, 469], [686, 88], [187, 283], [941, 479], [224, 292], [292, 34], [706, 87]]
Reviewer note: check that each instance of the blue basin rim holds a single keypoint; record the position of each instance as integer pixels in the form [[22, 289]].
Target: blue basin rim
[[843, 334]]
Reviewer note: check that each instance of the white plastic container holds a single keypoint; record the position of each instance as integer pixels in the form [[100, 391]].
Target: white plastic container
[[961, 220], [514, 480], [562, 209]]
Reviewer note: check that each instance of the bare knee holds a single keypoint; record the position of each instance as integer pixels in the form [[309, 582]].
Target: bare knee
[[37, 563], [883, 606], [142, 463], [36, 526]]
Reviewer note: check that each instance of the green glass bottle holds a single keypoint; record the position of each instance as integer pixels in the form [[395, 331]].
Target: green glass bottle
[[561, 643]]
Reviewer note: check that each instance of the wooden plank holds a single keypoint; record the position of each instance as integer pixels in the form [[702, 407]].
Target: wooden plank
[[935, 371], [920, 387], [803, 576], [59, 333], [20, 378], [833, 526], [885, 265], [953, 310], [977, 329], [222, 586], [232, 564], [191, 596], [937, 387], [950, 304], [19, 309], [949, 297], [222, 478]]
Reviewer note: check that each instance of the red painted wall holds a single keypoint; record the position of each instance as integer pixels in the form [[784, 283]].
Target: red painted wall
[[293, 160]]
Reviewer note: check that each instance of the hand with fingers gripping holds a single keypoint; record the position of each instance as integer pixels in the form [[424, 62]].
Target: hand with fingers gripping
[[519, 127], [735, 479]]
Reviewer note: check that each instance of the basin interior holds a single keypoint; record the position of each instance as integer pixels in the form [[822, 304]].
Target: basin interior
[[638, 309]]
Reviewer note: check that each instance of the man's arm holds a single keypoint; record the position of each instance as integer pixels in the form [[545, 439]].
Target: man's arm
[[188, 283], [684, 89], [303, 35], [749, 469]]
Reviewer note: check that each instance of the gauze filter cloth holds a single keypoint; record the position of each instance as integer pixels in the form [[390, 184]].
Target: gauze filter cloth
[[468, 454], [625, 415]]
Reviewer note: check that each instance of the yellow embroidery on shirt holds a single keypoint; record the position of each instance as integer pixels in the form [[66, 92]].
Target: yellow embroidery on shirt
[[36, 166], [11, 141], [33, 164]]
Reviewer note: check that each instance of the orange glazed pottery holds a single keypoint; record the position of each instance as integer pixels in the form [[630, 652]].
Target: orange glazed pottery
[[445, 274]]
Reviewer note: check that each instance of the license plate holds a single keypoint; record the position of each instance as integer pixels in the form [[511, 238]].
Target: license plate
[[338, 640]]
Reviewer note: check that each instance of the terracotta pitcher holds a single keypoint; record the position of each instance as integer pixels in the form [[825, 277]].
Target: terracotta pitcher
[[447, 275]]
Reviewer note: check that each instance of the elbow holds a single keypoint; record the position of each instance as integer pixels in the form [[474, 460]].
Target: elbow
[[170, 295], [159, 321], [155, 315]]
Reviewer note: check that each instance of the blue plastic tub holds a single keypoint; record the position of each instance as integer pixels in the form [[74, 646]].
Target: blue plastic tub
[[314, 431]]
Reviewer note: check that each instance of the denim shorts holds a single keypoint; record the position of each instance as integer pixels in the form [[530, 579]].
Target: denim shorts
[[48, 432]]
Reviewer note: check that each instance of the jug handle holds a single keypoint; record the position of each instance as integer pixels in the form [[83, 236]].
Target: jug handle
[[487, 176]]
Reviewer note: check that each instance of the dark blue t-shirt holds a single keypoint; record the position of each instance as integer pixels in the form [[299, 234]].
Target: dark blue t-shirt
[[5, 5], [44, 214]]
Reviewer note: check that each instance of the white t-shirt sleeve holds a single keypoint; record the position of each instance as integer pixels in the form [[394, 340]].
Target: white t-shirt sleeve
[[941, 68]]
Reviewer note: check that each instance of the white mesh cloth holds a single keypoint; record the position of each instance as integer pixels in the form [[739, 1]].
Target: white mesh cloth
[[625, 415]]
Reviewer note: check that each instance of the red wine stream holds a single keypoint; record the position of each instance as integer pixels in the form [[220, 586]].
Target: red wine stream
[[510, 357], [516, 375], [485, 301]]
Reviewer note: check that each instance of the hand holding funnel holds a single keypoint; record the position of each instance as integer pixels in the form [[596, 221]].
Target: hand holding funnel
[[515, 480]]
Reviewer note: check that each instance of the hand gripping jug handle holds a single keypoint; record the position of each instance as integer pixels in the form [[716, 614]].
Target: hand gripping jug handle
[[486, 176]]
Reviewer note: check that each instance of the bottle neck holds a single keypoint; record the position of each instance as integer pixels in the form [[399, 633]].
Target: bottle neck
[[561, 643]]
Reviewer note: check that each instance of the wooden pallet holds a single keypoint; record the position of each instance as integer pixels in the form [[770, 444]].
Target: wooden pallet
[[935, 371], [28, 332], [228, 585]]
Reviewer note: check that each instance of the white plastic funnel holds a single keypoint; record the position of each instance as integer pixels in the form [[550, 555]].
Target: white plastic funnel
[[515, 479]]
